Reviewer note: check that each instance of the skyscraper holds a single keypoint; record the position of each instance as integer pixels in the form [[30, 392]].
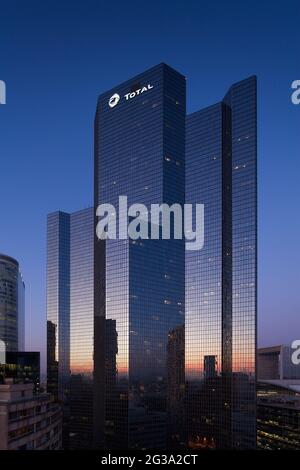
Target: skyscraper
[[70, 321], [12, 304], [139, 153], [221, 278], [58, 303], [158, 343], [176, 392], [81, 328]]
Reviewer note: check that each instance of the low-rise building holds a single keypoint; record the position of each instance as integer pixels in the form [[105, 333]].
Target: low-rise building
[[278, 399], [278, 416], [28, 421]]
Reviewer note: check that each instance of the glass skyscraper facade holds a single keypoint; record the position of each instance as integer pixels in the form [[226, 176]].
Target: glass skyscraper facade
[[152, 345], [70, 321], [12, 304], [58, 303], [221, 278], [139, 284], [81, 328]]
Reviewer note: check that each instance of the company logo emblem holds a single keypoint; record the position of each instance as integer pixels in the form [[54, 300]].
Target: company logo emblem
[[138, 91], [114, 100]]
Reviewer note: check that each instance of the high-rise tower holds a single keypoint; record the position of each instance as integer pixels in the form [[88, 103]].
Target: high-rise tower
[[139, 284], [221, 278]]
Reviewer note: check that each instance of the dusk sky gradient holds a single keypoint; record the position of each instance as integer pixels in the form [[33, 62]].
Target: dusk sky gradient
[[57, 57]]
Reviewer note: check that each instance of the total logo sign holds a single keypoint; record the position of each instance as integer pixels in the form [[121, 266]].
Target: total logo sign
[[115, 98]]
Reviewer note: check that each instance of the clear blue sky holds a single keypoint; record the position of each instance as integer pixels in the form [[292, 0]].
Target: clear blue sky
[[57, 56]]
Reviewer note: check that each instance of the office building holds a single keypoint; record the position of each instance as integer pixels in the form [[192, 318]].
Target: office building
[[81, 328], [52, 362], [176, 388], [278, 416], [23, 367], [28, 421], [275, 363], [58, 304], [139, 284], [160, 342], [70, 321], [278, 399], [12, 304], [220, 310]]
